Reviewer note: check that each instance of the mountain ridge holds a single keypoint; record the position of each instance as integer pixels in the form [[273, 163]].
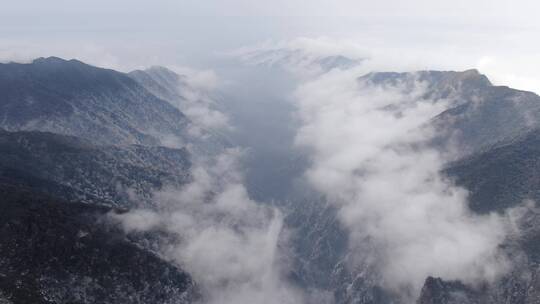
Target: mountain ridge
[[53, 159]]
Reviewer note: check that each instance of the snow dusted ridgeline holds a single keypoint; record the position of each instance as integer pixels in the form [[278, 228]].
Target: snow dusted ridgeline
[[301, 56], [99, 105], [190, 94], [72, 98]]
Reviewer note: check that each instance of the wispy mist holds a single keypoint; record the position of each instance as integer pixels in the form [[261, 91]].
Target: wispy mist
[[229, 243], [369, 157]]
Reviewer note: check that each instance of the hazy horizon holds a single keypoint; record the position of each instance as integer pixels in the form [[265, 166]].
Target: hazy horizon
[[416, 35]]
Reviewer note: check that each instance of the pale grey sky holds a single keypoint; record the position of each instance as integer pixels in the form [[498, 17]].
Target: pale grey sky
[[497, 36]]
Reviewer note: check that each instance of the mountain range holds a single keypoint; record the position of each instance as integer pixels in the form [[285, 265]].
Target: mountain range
[[79, 143]]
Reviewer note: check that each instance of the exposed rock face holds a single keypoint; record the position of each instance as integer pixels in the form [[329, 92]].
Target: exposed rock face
[[437, 291], [519, 287]]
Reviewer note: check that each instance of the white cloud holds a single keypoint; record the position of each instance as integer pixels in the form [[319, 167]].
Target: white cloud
[[139, 220], [199, 104], [229, 243], [193, 92], [369, 157], [201, 79]]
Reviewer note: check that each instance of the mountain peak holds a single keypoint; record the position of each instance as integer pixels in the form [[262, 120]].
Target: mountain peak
[[57, 61], [161, 72], [159, 68], [471, 71], [473, 75], [444, 81], [51, 59]]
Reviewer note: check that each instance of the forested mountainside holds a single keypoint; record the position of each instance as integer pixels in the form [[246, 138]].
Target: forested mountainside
[[116, 175], [55, 251], [100, 105]]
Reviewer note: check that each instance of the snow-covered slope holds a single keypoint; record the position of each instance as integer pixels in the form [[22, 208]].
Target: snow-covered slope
[[73, 98]]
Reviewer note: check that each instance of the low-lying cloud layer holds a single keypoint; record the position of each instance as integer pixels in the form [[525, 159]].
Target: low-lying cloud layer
[[370, 158], [229, 243], [198, 104]]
